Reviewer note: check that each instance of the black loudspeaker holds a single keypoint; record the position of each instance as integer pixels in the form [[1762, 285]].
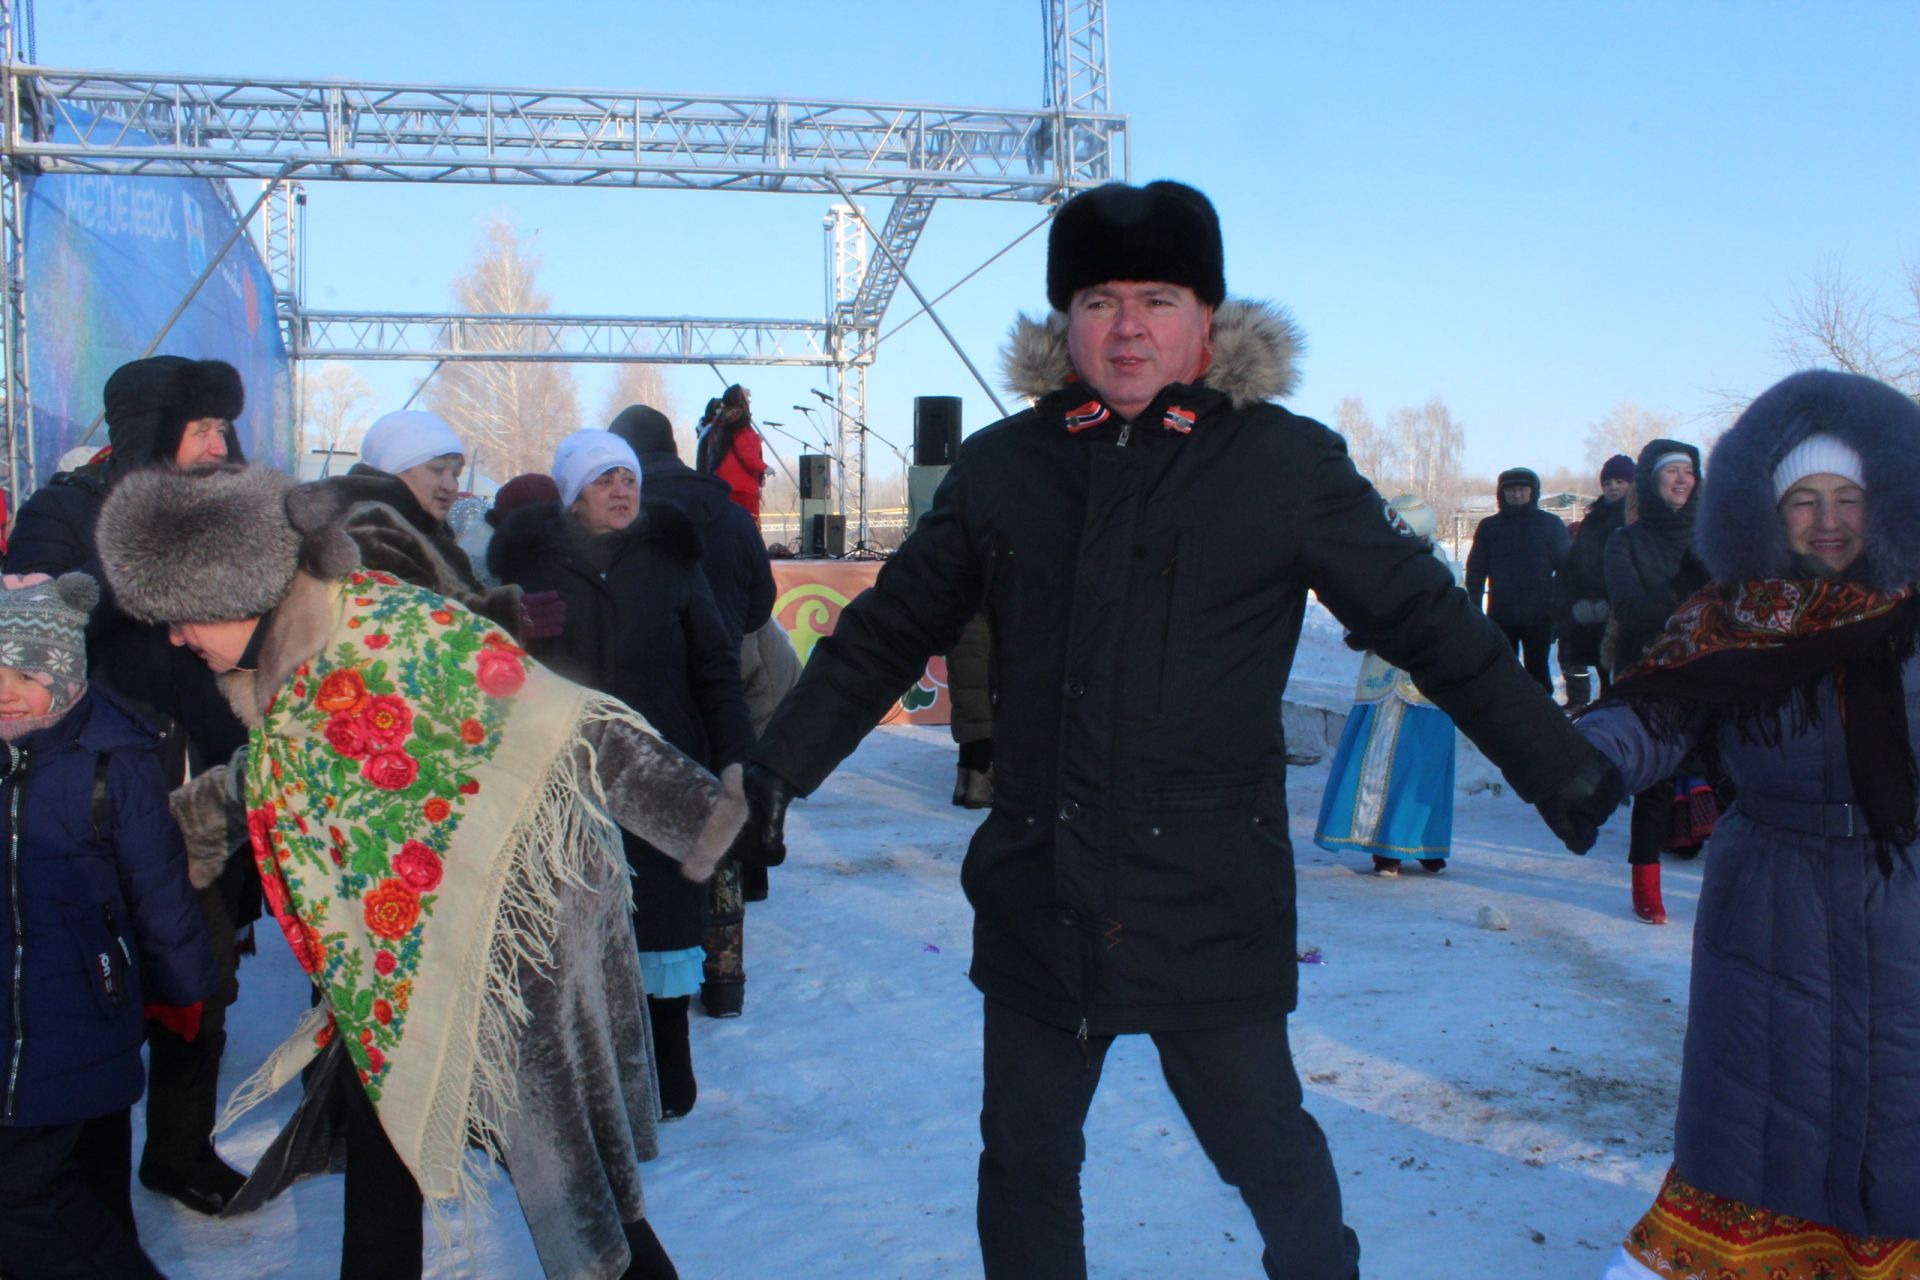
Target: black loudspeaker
[[815, 476], [828, 537], [936, 430]]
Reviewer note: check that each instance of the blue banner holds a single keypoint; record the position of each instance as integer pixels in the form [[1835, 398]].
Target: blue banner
[[108, 259]]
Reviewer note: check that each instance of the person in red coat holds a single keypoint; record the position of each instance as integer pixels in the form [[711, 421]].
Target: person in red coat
[[730, 448]]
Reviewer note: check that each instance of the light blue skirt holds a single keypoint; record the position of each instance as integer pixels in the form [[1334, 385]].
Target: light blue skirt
[[672, 973], [1390, 791]]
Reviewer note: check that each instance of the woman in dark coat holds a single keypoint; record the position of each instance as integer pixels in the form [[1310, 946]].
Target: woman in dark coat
[[641, 624], [1798, 1130], [1650, 569], [1580, 588]]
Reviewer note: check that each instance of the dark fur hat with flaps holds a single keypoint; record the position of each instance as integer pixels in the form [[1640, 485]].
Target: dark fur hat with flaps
[[1163, 231], [215, 546], [1740, 535], [148, 403]]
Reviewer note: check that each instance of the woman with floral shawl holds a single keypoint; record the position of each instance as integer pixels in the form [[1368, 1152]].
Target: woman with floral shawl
[[426, 805], [1797, 1138]]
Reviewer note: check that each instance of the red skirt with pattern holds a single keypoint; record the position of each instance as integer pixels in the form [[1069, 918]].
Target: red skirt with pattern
[[1694, 1233]]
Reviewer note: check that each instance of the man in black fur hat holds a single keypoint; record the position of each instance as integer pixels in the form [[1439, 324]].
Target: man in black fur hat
[[174, 413], [1143, 539]]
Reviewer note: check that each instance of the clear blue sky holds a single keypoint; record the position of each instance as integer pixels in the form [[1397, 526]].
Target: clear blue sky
[[1532, 210]]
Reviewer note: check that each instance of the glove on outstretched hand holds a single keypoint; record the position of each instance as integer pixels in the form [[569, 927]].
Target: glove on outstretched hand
[[1582, 803], [543, 615], [763, 841]]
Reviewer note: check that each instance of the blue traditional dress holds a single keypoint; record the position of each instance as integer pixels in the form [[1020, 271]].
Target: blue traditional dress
[[1390, 792]]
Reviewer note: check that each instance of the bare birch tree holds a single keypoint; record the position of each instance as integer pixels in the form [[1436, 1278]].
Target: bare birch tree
[[1835, 322], [1627, 428], [646, 384], [511, 414], [1427, 443], [336, 406], [1371, 451]]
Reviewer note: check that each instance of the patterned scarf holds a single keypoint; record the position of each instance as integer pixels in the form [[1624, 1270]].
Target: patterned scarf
[[413, 799], [1747, 654]]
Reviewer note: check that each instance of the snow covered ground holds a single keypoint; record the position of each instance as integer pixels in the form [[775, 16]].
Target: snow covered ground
[[1499, 1103]]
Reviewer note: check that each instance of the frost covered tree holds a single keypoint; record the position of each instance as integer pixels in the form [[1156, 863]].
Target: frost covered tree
[[511, 414], [1427, 443], [1627, 429]]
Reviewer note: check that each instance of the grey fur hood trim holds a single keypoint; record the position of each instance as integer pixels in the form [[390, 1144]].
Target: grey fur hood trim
[[198, 546], [1255, 349], [1740, 536]]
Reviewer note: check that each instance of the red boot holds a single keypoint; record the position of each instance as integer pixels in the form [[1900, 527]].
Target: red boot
[[1646, 894]]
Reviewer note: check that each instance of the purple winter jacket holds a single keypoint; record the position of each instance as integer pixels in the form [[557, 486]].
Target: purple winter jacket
[[1800, 1084]]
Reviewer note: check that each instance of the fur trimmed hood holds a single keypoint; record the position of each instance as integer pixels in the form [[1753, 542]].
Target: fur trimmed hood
[[1256, 346], [1740, 535]]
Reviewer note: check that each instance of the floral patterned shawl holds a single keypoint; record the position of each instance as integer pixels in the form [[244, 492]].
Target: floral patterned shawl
[[1750, 654], [413, 801]]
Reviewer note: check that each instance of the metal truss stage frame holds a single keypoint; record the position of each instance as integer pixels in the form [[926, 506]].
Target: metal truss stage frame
[[289, 132]]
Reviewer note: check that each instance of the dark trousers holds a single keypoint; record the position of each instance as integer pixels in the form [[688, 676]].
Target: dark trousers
[[1647, 827], [66, 1209], [1531, 643], [382, 1236], [183, 1076], [1238, 1089]]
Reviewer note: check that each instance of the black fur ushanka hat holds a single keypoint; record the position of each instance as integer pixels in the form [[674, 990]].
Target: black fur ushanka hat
[[149, 401], [1163, 231]]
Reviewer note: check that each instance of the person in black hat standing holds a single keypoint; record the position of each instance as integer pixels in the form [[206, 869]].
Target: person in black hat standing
[[175, 413], [1143, 539]]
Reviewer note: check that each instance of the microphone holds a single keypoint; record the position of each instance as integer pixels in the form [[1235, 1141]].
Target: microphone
[[768, 422], [801, 408], [824, 396]]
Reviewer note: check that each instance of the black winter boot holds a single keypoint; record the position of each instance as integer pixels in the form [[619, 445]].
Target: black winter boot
[[673, 1055], [1579, 690], [650, 1260]]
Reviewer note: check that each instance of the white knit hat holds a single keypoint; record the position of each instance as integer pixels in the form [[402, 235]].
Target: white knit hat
[[585, 456], [1818, 455], [406, 438]]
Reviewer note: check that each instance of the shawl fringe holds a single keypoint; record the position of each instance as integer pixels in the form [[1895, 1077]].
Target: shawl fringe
[[562, 835]]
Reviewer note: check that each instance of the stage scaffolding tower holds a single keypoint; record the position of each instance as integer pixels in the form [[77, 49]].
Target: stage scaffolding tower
[[60, 120]]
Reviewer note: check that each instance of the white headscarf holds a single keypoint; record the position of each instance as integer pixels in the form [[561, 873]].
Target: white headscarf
[[406, 438], [585, 456]]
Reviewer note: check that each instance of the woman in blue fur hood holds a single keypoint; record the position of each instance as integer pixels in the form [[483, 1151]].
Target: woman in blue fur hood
[[1797, 1137]]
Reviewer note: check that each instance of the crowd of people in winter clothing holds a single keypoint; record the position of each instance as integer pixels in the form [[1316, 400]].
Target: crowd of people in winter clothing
[[505, 776]]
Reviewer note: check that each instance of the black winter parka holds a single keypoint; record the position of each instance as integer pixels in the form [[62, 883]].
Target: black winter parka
[[1650, 562], [1146, 582], [1584, 578], [1516, 551], [734, 556], [647, 632]]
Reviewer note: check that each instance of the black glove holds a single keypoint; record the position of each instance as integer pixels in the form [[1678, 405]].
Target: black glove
[[762, 842], [1583, 802]]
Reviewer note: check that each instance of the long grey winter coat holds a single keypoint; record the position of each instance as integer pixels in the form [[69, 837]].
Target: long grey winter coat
[[1800, 1088]]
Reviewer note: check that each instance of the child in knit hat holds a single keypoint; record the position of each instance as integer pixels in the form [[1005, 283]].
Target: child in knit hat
[[96, 920]]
